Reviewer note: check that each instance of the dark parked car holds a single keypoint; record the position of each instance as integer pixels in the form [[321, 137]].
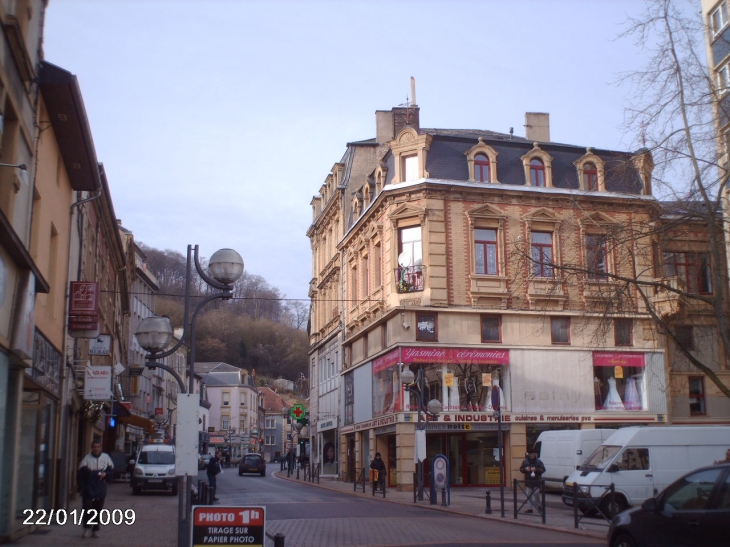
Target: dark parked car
[[252, 463], [694, 510]]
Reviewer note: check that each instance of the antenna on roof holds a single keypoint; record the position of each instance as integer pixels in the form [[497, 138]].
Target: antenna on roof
[[511, 132]]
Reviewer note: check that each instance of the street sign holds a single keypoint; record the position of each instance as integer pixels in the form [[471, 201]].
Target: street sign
[[228, 526], [100, 345], [297, 411]]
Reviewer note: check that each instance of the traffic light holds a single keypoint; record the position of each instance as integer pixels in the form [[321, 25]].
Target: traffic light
[[261, 440]]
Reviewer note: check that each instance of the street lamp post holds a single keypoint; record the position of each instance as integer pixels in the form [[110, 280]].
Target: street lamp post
[[154, 334], [417, 385]]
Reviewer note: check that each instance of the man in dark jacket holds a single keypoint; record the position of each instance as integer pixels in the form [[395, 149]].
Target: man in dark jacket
[[95, 470], [378, 465], [214, 467], [533, 468]]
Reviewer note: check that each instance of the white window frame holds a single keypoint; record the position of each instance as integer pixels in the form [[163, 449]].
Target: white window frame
[[720, 10], [723, 78]]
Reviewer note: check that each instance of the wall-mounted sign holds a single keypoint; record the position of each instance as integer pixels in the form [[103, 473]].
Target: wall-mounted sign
[[98, 383], [228, 525], [100, 345], [84, 299]]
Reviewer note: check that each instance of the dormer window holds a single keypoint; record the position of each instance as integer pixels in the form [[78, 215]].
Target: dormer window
[[538, 167], [482, 160], [590, 177], [591, 172], [409, 151], [481, 168], [537, 173]]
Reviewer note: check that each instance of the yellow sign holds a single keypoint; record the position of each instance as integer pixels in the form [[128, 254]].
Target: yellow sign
[[133, 389], [492, 475], [486, 379], [449, 379], [618, 372]]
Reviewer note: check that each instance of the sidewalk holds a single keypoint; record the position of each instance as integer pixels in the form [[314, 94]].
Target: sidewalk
[[155, 523], [472, 502]]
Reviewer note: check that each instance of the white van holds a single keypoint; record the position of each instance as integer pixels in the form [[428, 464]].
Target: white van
[[155, 469], [563, 451], [641, 461]]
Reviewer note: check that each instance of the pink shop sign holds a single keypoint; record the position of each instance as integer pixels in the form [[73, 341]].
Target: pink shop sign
[[456, 356], [617, 359]]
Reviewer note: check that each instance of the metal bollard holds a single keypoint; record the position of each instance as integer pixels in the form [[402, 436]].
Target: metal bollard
[[211, 495], [443, 497], [488, 510], [279, 540], [297, 472]]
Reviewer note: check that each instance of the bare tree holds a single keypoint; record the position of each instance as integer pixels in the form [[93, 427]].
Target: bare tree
[[672, 119]]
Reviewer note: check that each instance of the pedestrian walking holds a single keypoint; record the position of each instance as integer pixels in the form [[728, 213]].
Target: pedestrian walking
[[95, 470], [214, 468], [533, 468], [378, 465]]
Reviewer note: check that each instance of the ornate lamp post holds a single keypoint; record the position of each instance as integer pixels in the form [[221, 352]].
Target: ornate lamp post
[[417, 385], [154, 334]]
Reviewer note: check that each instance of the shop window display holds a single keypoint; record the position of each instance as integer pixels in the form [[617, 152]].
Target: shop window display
[[465, 388], [618, 381]]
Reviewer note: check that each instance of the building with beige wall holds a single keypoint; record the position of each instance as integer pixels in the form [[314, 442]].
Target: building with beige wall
[[489, 262]]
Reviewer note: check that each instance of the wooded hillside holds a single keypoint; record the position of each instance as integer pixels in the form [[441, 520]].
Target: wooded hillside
[[258, 329]]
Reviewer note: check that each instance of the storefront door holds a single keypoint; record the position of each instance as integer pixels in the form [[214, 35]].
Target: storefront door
[[472, 457]]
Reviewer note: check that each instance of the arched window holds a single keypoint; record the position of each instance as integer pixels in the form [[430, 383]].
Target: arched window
[[590, 176], [481, 168], [537, 173]]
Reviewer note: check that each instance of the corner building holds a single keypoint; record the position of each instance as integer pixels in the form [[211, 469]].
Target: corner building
[[482, 259]]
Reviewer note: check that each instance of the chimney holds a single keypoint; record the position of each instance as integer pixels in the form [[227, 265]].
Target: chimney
[[389, 123], [537, 126]]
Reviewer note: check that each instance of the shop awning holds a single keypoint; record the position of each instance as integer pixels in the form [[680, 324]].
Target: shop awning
[[120, 410], [138, 421]]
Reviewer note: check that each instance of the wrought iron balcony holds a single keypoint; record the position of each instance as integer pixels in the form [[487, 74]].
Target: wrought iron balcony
[[409, 279]]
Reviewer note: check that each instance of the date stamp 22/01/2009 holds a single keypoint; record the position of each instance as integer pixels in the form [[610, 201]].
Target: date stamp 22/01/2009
[[76, 517]]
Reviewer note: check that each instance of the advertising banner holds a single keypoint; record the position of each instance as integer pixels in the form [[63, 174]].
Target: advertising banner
[[98, 383]]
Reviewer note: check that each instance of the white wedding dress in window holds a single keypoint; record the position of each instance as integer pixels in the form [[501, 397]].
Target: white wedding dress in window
[[613, 399]]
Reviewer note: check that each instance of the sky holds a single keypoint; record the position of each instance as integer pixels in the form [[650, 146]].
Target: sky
[[217, 121]]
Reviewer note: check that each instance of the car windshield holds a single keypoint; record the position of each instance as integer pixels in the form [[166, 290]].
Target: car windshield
[[163, 458], [600, 458]]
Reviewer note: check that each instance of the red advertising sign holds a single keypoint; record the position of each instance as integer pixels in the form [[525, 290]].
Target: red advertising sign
[[84, 298], [228, 525], [385, 361], [618, 359], [159, 411], [456, 356]]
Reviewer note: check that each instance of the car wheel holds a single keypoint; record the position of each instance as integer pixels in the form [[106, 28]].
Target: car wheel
[[611, 509], [136, 490], [174, 490], [263, 473], [240, 474], [623, 540]]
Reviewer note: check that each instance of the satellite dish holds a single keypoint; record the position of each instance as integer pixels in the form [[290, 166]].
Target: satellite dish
[[404, 260]]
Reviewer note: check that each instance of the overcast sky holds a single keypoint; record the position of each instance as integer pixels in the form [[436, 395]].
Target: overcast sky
[[217, 121]]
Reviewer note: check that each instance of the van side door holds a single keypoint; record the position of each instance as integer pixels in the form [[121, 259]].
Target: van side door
[[634, 475]]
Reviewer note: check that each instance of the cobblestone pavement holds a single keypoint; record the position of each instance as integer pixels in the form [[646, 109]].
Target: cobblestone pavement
[[156, 521], [471, 502]]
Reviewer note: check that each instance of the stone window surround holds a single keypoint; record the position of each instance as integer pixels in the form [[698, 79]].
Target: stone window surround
[[408, 142], [491, 154], [590, 157], [547, 160]]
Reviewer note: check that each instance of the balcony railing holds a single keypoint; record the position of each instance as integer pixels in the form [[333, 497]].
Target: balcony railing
[[409, 279]]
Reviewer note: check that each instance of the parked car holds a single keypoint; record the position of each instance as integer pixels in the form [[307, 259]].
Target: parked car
[[252, 463], [203, 461], [155, 469], [694, 510]]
